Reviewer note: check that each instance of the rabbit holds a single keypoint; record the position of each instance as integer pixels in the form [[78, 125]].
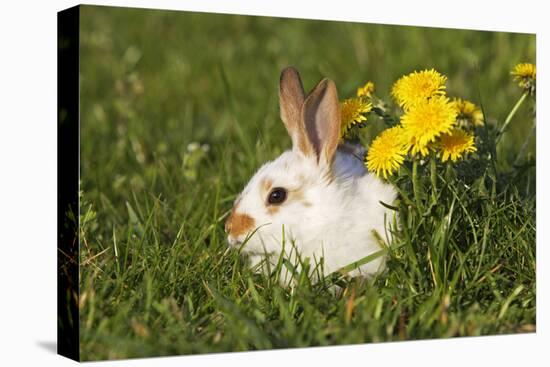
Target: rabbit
[[317, 196]]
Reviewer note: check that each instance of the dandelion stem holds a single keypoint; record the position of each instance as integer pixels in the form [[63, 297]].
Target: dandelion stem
[[448, 172], [433, 176], [510, 115], [416, 188]]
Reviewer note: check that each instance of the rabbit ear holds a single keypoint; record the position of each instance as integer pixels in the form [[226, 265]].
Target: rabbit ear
[[321, 115], [291, 99]]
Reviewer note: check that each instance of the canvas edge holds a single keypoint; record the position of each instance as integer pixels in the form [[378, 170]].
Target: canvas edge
[[68, 213]]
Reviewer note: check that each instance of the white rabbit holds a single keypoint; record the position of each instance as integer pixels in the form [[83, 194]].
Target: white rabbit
[[319, 192]]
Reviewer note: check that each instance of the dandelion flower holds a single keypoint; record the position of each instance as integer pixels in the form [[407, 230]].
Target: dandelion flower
[[353, 112], [366, 91], [526, 75], [387, 152], [455, 144], [417, 87], [468, 113], [426, 121]]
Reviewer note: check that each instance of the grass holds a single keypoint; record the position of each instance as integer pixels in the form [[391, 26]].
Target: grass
[[156, 275]]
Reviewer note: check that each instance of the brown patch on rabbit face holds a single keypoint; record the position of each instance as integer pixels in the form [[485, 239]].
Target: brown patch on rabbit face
[[273, 209], [299, 196], [238, 224]]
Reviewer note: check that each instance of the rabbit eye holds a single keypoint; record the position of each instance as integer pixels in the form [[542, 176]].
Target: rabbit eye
[[277, 195]]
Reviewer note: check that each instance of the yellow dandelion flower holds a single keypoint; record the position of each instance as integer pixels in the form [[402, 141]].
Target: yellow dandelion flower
[[455, 144], [353, 112], [425, 121], [415, 147], [418, 86], [387, 152], [526, 75], [366, 91], [468, 114]]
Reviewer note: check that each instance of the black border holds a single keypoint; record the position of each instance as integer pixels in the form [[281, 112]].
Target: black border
[[68, 131]]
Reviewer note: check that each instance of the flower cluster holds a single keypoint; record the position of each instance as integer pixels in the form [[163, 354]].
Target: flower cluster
[[431, 122]]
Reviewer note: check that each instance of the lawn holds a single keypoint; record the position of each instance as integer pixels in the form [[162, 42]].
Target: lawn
[[178, 110]]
